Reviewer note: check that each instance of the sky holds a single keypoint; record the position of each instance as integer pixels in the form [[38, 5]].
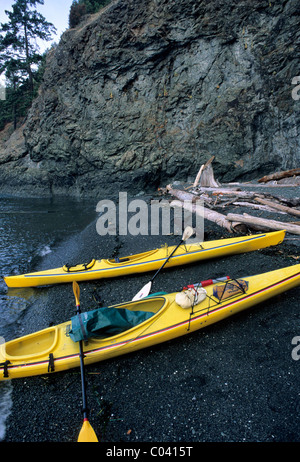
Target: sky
[[54, 11]]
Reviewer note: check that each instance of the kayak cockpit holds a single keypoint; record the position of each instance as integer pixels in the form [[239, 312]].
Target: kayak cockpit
[[79, 267], [112, 321], [31, 346], [130, 258], [152, 303]]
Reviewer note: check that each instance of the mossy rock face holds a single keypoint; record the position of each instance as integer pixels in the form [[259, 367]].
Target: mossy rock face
[[145, 92]]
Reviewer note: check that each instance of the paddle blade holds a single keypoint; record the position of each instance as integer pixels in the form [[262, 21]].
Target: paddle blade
[[87, 434], [143, 292], [76, 291], [188, 232]]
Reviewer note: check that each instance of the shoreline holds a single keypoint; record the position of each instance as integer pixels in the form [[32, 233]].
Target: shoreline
[[223, 383]]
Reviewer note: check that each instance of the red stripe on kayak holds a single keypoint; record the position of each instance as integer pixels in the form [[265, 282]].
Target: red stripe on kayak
[[189, 321]]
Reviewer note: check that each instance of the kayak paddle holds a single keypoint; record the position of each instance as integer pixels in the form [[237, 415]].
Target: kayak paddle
[[188, 232], [87, 434]]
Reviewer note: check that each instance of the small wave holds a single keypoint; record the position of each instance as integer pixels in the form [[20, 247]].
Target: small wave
[[44, 251], [12, 305], [5, 406], [39, 253]]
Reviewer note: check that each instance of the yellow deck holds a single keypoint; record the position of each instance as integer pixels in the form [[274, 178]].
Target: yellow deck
[[30, 354], [147, 261]]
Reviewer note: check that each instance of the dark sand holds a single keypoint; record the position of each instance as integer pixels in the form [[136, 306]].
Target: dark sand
[[235, 381]]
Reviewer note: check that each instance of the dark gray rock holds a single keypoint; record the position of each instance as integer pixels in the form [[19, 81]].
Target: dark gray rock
[[144, 92]]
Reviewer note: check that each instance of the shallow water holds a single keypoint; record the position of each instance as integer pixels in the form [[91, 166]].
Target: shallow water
[[30, 229]]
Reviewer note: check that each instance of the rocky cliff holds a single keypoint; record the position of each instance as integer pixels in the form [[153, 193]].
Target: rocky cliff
[[145, 91]]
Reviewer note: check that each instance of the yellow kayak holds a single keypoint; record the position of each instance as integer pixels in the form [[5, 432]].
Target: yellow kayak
[[146, 261], [161, 318]]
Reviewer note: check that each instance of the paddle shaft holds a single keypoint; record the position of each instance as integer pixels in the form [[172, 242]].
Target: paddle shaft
[[146, 289], [166, 261], [87, 433], [82, 372]]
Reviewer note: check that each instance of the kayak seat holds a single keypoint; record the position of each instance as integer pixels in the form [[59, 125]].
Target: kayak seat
[[131, 258], [79, 267], [121, 260]]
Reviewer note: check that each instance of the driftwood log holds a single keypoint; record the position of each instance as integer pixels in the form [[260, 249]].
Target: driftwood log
[[251, 205], [263, 223], [209, 197], [211, 215], [282, 208], [182, 195], [280, 175], [251, 195], [206, 175], [188, 202]]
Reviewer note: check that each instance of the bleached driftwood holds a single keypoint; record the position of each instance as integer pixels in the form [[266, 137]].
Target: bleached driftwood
[[197, 179], [282, 208], [210, 215], [216, 197], [264, 223], [227, 192], [250, 205], [182, 195], [206, 175], [208, 179], [280, 175]]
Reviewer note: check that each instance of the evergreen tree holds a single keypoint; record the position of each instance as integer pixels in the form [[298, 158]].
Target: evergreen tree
[[80, 8], [19, 53]]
